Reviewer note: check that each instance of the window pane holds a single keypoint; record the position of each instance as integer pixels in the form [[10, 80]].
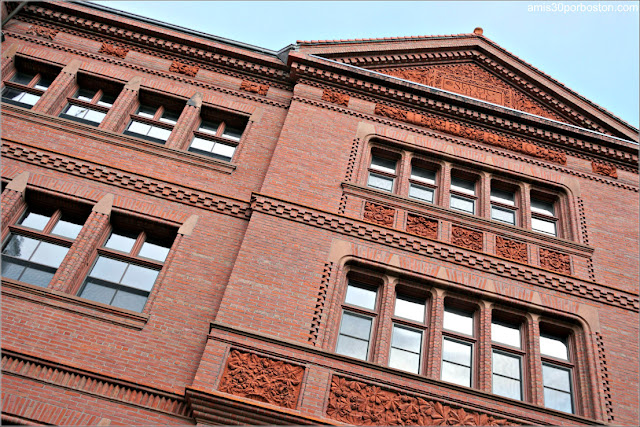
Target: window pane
[[147, 111], [153, 251], [383, 164], [160, 133], [11, 269], [404, 360], [463, 186], [409, 309], [462, 204], [557, 400], [107, 100], [170, 117], [29, 98], [421, 193], [352, 347], [381, 182], [209, 127], [542, 207], [120, 242], [502, 196], [97, 292], [75, 111], [456, 374], [20, 247], [506, 387], [548, 227], [232, 133], [456, 352], [355, 326], [129, 301], [504, 215], [202, 144], [49, 254], [139, 277], [13, 94], [361, 297], [223, 150], [458, 321], [554, 347], [44, 83], [140, 128], [406, 339], [35, 221], [85, 94], [38, 275], [66, 229], [95, 116], [556, 378], [505, 334], [424, 175], [22, 77], [505, 365], [108, 269]]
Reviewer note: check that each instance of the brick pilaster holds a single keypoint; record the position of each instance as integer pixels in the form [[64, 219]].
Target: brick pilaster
[[445, 185], [534, 361], [435, 341], [484, 196], [183, 128], [76, 263], [13, 201], [7, 59], [55, 96], [383, 343], [525, 200], [484, 347], [118, 116], [404, 173]]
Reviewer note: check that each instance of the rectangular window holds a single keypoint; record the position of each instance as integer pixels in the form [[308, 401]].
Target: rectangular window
[[457, 346], [463, 195], [216, 139], [356, 325], [422, 184], [28, 83], [543, 216], [556, 372], [92, 101], [407, 334], [382, 173], [155, 117], [503, 203], [506, 360]]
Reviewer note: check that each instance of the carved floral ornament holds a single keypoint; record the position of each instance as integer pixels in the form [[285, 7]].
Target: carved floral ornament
[[466, 238], [422, 226], [109, 49], [40, 31], [604, 169], [254, 87], [470, 133], [555, 261], [379, 214], [179, 67], [261, 378], [335, 97], [358, 403], [511, 249]]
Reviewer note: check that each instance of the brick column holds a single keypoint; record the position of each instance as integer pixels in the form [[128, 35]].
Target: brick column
[[445, 185], [484, 347], [75, 265], [13, 201], [183, 128], [55, 96], [525, 199], [484, 195], [7, 59], [435, 342], [118, 116], [534, 362], [404, 173], [383, 343]]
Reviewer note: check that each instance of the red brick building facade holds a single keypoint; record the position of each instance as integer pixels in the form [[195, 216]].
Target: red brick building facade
[[420, 230]]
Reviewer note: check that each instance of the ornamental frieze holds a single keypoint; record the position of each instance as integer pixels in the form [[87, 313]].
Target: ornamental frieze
[[109, 49], [40, 31], [179, 67], [359, 403], [604, 169], [254, 87], [379, 214], [422, 226], [511, 249], [555, 261], [263, 379], [335, 97], [466, 238], [472, 81], [470, 133]]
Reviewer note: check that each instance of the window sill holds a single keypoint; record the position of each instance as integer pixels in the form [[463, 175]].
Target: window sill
[[118, 139], [66, 302]]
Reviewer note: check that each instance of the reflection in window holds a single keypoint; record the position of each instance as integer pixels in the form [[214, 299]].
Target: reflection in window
[[31, 260]]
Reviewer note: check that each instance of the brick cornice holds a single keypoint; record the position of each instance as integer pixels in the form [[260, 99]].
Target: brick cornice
[[423, 99], [20, 364], [431, 249]]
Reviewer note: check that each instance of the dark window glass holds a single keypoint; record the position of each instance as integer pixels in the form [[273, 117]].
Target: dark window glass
[[22, 78]]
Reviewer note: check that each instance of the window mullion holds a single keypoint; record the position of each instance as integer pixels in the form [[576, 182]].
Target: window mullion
[[484, 351], [384, 325]]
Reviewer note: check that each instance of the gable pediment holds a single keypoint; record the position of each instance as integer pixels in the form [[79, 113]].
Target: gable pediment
[[474, 81]]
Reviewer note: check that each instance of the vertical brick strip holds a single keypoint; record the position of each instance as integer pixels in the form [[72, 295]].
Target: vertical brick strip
[[183, 128], [319, 308], [604, 375], [445, 185], [534, 360], [13, 201], [7, 59], [484, 348], [118, 116], [383, 343], [61, 88], [435, 343]]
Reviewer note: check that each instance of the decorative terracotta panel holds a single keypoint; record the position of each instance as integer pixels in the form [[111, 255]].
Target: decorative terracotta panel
[[358, 403], [335, 97], [473, 81], [466, 238], [254, 87], [511, 249], [379, 214], [555, 261], [179, 67], [470, 133], [422, 226], [109, 49], [40, 31], [261, 378], [603, 169]]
